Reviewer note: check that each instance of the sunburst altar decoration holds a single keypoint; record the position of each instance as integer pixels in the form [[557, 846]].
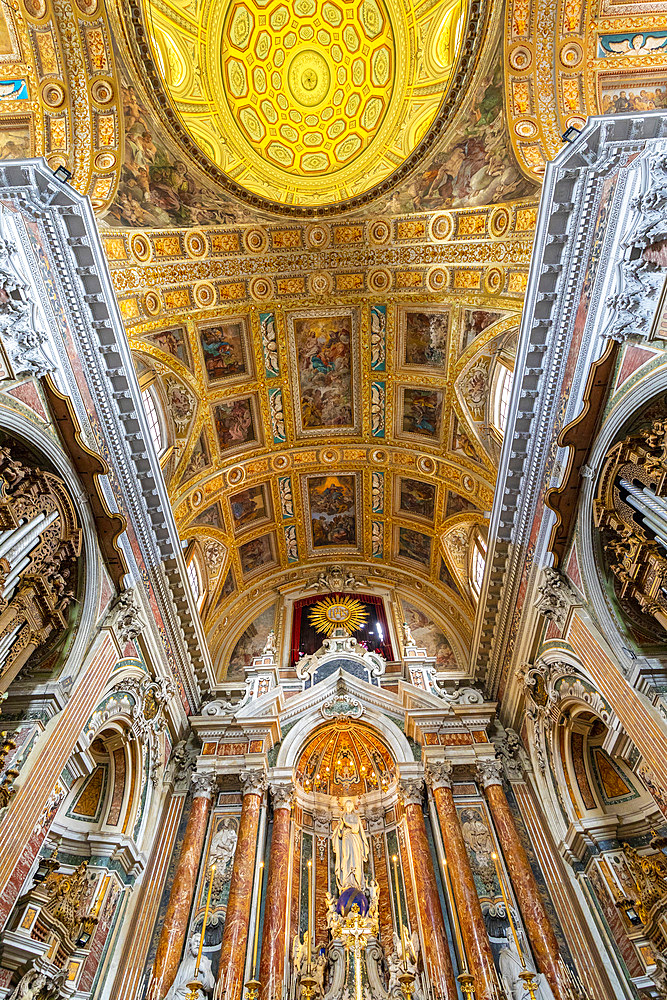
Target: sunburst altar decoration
[[338, 612]]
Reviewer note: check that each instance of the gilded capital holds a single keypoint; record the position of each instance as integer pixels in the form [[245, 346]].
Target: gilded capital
[[439, 774], [281, 796], [490, 772], [411, 791], [202, 785], [254, 782]]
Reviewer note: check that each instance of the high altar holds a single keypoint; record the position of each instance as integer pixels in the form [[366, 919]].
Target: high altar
[[374, 854]]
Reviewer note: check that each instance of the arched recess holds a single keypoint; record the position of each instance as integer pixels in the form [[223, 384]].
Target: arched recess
[[48, 456], [635, 403], [598, 805], [303, 730]]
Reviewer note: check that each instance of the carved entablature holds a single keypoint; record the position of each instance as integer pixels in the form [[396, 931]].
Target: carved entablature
[[631, 514], [40, 544]]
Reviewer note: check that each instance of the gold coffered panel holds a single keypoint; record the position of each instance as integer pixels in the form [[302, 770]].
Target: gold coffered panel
[[282, 94]]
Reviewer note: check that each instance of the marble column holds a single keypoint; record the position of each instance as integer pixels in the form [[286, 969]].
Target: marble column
[[434, 935], [471, 920], [172, 935], [272, 964], [535, 918], [237, 917]]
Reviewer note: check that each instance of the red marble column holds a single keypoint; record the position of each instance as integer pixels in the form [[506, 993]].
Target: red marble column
[[172, 935], [434, 936], [237, 917], [471, 920], [272, 964], [535, 918]]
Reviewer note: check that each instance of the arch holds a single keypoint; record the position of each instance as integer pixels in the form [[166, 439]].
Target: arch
[[39, 442], [619, 419], [294, 743]]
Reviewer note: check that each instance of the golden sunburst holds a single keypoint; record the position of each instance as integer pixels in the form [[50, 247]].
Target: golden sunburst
[[338, 612]]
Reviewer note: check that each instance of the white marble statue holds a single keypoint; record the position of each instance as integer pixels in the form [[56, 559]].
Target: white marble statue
[[510, 967], [223, 845], [350, 845], [186, 972]]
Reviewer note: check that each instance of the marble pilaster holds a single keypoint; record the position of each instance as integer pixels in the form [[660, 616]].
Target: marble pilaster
[[272, 964], [434, 936], [237, 917], [535, 918], [471, 919], [174, 928]]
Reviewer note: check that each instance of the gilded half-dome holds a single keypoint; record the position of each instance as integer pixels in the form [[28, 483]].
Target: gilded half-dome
[[279, 93]]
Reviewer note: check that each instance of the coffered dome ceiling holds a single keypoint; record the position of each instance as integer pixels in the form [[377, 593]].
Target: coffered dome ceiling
[[280, 93]]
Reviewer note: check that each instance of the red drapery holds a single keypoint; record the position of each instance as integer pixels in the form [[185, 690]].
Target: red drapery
[[384, 649]]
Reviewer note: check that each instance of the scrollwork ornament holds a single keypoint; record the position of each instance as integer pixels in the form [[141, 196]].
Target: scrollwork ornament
[[510, 753], [439, 774], [254, 782], [411, 791]]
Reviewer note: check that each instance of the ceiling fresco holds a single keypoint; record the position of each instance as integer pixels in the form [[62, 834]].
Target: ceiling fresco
[[278, 95], [319, 229]]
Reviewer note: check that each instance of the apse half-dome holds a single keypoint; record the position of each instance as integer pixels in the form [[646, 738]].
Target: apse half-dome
[[345, 757], [280, 94]]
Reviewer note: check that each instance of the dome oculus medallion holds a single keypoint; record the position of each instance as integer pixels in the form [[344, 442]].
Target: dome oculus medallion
[[282, 93]]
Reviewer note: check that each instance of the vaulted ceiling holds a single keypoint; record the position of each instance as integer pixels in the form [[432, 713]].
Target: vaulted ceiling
[[318, 219]]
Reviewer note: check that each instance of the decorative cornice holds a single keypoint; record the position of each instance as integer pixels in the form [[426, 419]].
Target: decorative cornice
[[570, 201], [93, 318]]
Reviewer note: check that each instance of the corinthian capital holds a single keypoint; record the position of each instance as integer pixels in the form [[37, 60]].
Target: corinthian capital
[[281, 796], [202, 785], [411, 791], [490, 772], [253, 782], [439, 774]]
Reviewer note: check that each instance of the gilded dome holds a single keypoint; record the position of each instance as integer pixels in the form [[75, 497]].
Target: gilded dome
[[279, 93]]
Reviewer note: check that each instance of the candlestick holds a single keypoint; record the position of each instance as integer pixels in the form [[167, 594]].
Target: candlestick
[[310, 915], [259, 907], [398, 907], [507, 908], [455, 917], [211, 873]]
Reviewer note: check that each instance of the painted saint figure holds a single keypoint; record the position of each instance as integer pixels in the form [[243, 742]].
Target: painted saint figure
[[350, 845]]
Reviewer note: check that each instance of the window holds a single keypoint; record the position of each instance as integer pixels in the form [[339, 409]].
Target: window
[[477, 564], [193, 577], [502, 400], [153, 418]]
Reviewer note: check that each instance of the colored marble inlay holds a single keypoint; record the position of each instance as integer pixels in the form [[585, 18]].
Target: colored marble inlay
[[237, 917]]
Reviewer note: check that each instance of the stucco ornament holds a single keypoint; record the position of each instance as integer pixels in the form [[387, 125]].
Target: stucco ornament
[[439, 774], [555, 597], [509, 752], [337, 579], [21, 330], [129, 620], [254, 782]]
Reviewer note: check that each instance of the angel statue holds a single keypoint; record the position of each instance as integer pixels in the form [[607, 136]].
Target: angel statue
[[37, 986], [396, 962], [510, 967], [186, 972], [270, 646], [350, 846], [333, 916], [409, 638]]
